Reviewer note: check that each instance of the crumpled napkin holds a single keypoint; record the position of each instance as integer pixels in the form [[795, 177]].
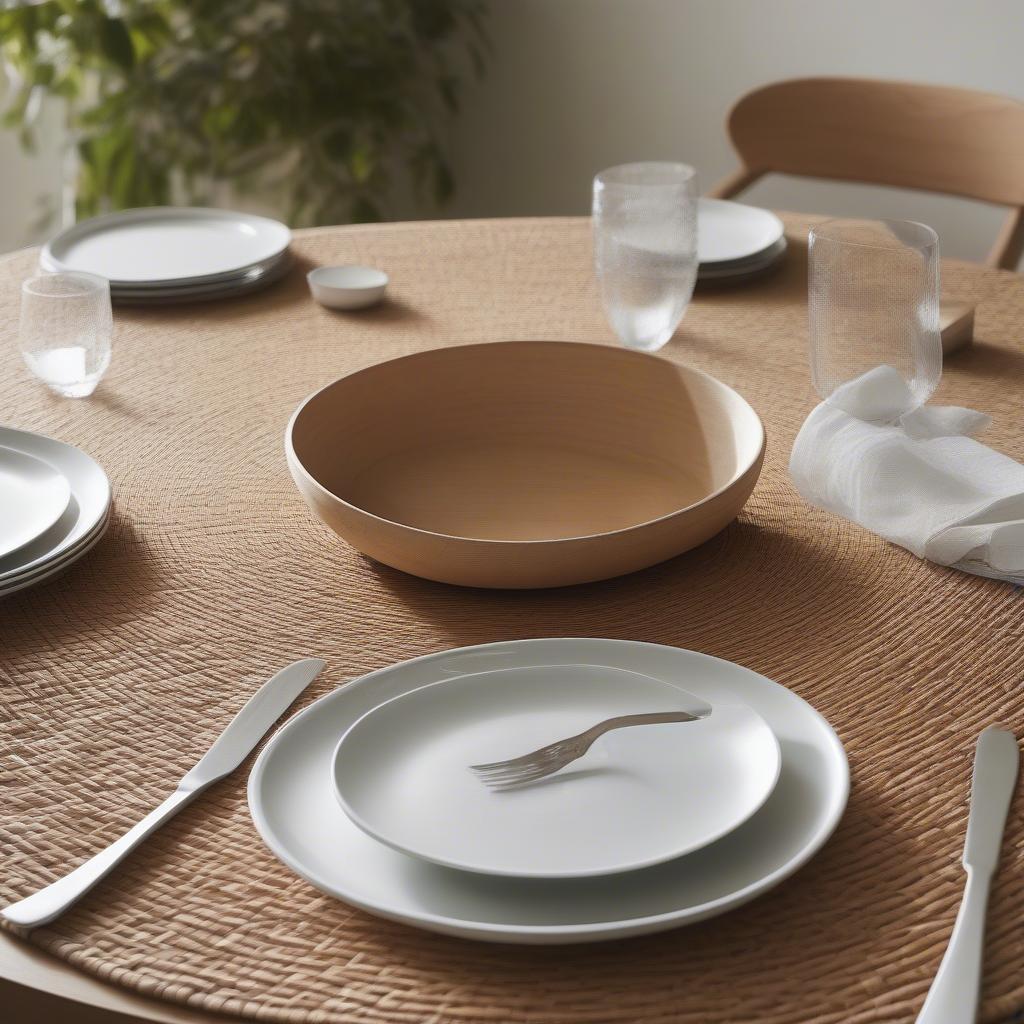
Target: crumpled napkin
[[919, 480]]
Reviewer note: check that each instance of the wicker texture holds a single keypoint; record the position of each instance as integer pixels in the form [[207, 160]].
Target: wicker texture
[[116, 676]]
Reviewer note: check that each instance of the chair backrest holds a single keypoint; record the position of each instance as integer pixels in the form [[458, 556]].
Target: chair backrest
[[937, 138]]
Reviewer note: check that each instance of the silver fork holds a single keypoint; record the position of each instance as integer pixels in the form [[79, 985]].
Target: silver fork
[[538, 764]]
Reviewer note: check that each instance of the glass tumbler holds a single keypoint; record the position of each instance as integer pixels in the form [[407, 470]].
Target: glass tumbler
[[645, 249], [66, 330], [873, 303]]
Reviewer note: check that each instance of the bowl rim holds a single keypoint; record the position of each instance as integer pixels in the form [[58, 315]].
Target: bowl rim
[[315, 277], [296, 463]]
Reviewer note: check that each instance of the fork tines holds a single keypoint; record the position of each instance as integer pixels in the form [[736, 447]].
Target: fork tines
[[529, 767]]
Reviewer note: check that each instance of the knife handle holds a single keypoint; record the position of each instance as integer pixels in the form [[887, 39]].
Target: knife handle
[[48, 903], [953, 997]]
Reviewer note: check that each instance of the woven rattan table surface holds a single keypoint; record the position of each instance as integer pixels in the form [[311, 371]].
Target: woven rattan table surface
[[116, 676]]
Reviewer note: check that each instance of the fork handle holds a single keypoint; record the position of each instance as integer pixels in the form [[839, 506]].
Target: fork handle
[[654, 718]]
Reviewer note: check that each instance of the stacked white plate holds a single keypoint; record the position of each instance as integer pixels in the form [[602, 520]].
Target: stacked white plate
[[735, 241], [174, 254], [54, 507], [368, 794]]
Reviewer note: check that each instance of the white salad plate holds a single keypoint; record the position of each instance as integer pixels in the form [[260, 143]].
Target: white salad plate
[[728, 231], [164, 245], [293, 804], [33, 496], [77, 528], [402, 773]]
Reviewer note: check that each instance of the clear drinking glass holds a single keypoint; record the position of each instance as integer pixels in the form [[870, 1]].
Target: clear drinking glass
[[67, 327], [645, 249], [873, 301]]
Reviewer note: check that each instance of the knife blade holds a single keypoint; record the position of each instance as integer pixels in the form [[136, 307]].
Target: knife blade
[[258, 714], [243, 732]]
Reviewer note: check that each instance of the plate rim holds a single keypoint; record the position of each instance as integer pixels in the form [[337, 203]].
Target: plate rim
[[605, 930], [65, 556], [57, 567], [760, 212], [51, 556], [762, 261], [49, 260], [608, 872], [246, 276], [63, 506], [239, 288]]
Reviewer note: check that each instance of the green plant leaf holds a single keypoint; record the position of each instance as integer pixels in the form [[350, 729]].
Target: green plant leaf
[[43, 74], [361, 163], [307, 104], [116, 43]]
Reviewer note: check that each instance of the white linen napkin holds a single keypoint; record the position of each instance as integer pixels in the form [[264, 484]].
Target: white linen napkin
[[919, 480]]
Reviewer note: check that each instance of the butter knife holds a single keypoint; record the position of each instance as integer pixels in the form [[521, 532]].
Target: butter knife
[[229, 750], [954, 995]]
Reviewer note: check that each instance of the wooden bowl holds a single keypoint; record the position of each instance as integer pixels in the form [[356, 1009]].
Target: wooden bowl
[[525, 463]]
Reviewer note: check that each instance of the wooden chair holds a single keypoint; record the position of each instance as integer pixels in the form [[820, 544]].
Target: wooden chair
[[954, 141]]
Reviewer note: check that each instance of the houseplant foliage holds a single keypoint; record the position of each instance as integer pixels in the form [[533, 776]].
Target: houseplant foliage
[[315, 105]]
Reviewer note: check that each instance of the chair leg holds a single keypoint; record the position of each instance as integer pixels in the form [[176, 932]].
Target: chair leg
[[1009, 245], [734, 184]]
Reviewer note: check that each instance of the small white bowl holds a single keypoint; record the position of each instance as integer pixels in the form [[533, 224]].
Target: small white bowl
[[347, 287]]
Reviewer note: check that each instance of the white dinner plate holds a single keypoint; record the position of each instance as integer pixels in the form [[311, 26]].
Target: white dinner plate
[[185, 245], [402, 772], [33, 496], [252, 281], [90, 501], [743, 268], [728, 231], [242, 277], [292, 801], [58, 565]]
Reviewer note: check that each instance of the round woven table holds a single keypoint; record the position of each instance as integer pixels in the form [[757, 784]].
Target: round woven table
[[117, 675]]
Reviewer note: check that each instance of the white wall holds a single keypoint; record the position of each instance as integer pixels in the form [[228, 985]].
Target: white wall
[[577, 85], [29, 183]]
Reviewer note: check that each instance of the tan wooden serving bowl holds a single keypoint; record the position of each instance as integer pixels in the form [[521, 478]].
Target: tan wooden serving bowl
[[525, 463]]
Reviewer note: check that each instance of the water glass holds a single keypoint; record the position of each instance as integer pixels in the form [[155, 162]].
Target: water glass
[[66, 330], [645, 249], [873, 301]]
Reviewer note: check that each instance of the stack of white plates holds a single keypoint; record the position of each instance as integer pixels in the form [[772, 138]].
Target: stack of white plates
[[174, 254], [54, 507], [735, 241], [368, 793]]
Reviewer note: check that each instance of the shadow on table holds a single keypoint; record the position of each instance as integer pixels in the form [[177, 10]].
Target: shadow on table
[[114, 583], [388, 311], [112, 401], [846, 899], [983, 359], [732, 596], [291, 290]]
